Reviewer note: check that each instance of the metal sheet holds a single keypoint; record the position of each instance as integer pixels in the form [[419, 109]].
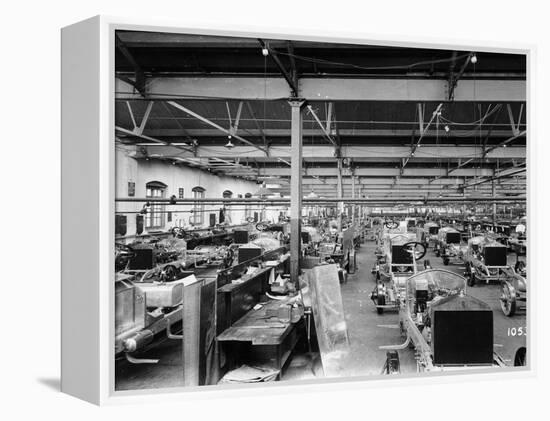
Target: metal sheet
[[330, 322]]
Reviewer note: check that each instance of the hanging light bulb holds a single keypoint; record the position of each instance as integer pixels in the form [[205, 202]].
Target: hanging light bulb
[[229, 145], [265, 51], [447, 129], [473, 59]]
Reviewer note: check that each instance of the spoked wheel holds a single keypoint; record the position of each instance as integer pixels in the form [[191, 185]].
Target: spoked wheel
[[520, 358], [520, 266], [471, 277], [381, 301], [169, 273], [392, 365], [507, 301]]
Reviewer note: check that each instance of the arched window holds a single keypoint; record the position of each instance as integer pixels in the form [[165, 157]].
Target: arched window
[[227, 194], [155, 214], [198, 207]]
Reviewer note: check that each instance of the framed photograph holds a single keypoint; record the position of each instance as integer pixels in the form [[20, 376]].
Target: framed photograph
[[356, 210]]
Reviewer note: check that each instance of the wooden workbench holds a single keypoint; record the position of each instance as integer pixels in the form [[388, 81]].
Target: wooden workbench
[[256, 339]]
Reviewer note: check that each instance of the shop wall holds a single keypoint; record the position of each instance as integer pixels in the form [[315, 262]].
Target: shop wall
[[176, 177]]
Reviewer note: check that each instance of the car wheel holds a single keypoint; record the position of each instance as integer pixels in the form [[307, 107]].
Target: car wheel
[[520, 358], [520, 266], [381, 301], [471, 279], [507, 302]]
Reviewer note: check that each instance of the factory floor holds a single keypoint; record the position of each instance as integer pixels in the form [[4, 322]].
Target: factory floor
[[367, 331]]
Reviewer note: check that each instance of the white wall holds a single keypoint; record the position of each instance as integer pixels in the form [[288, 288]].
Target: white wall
[[175, 177]]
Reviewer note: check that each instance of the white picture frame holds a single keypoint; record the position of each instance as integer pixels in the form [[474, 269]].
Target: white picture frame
[[88, 170]]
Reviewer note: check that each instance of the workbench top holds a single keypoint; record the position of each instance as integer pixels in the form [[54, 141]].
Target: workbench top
[[255, 327]]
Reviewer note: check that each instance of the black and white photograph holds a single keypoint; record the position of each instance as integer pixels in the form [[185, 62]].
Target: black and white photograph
[[301, 210]]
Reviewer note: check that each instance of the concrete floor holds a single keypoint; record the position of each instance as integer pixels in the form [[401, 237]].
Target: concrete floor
[[367, 331]]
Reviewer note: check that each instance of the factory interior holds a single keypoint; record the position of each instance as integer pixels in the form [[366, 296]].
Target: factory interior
[[291, 210]]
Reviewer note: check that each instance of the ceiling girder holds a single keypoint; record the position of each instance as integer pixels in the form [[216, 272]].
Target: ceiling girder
[[325, 89], [381, 153]]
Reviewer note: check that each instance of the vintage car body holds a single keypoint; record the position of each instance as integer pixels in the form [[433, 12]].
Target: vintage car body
[[144, 309], [391, 271], [447, 328], [428, 234], [484, 259], [149, 289], [449, 246], [390, 256], [518, 244]]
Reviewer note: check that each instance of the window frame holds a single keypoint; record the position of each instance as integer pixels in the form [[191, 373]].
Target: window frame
[[155, 217], [197, 217]]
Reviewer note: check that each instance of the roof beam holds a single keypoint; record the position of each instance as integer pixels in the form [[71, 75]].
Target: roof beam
[[333, 89], [139, 130], [316, 173], [505, 143], [329, 117], [139, 82], [454, 79], [211, 123], [257, 123], [325, 132], [502, 174], [416, 145], [289, 79], [343, 132], [293, 67], [152, 139], [428, 153]]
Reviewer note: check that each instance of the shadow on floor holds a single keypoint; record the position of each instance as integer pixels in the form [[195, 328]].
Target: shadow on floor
[[52, 383]]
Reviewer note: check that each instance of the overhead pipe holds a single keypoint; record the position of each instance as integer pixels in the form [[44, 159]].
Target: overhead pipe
[[279, 201]]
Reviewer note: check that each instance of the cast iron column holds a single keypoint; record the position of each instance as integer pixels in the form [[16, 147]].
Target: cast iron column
[[493, 194], [339, 188], [295, 189]]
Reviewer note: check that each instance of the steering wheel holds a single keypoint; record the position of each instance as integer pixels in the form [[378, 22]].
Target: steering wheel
[[416, 248], [262, 226], [391, 225], [178, 232]]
